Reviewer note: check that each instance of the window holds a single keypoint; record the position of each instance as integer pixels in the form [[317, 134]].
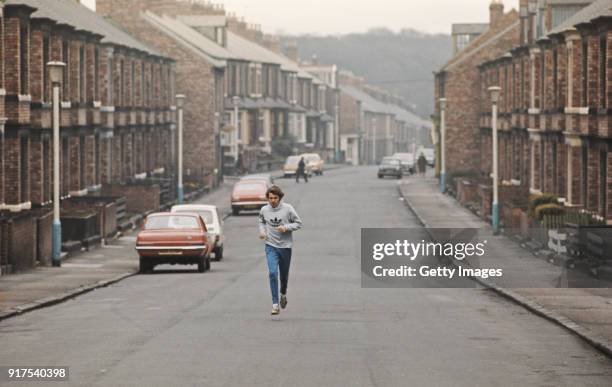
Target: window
[[175, 222], [45, 70], [82, 89], [110, 83], [46, 193], [142, 83], [542, 81], [555, 85], [97, 159], [266, 81], [121, 96], [24, 168], [65, 166], [603, 49], [65, 57], [584, 177], [24, 37], [542, 163], [133, 84], [462, 40], [96, 95], [82, 163], [244, 78], [585, 72]]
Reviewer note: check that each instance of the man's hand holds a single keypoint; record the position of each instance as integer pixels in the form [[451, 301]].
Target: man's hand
[[263, 236], [281, 229]]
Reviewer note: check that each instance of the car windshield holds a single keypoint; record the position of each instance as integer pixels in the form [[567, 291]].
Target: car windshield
[[404, 156], [292, 160], [310, 158], [390, 162], [250, 187], [173, 222], [205, 214]]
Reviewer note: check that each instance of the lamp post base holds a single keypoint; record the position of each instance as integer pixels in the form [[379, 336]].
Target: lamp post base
[[180, 195], [495, 218], [443, 182], [57, 243]]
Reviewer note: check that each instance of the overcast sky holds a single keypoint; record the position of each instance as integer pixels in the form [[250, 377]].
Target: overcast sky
[[344, 16]]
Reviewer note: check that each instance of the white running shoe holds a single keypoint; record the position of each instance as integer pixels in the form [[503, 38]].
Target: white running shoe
[[275, 309]]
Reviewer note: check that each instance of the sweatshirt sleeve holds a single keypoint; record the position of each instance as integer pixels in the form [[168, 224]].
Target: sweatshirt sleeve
[[295, 223], [262, 222]]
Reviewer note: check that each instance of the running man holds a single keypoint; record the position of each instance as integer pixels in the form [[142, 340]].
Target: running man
[[277, 222]]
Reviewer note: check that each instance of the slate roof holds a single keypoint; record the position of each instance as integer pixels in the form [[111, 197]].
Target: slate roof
[[82, 18], [373, 105], [599, 8], [469, 28]]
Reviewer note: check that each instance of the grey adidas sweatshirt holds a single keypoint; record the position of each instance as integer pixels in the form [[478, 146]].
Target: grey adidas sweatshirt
[[283, 215]]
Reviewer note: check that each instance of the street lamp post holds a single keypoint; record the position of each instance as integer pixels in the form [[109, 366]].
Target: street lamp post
[[494, 90], [56, 74], [374, 140], [442, 145], [235, 151], [337, 129], [180, 100]]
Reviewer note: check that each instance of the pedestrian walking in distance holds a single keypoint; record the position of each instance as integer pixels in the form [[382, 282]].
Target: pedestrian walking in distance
[[301, 171], [277, 222], [422, 164]]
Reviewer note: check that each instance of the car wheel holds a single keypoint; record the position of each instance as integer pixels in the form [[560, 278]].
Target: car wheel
[[219, 253], [380, 176], [399, 176], [144, 266], [202, 265], [235, 211]]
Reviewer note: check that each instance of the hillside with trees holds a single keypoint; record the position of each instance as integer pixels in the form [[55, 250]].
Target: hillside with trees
[[402, 62]]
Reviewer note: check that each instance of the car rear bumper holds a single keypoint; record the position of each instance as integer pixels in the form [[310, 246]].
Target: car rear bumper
[[390, 173], [249, 205], [172, 253]]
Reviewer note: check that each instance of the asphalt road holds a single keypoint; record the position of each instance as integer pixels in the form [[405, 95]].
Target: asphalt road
[[178, 327]]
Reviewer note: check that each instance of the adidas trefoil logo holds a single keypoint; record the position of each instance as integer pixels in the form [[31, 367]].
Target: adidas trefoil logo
[[275, 222]]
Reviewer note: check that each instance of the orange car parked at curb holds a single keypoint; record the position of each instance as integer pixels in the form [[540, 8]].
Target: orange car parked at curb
[[173, 238]]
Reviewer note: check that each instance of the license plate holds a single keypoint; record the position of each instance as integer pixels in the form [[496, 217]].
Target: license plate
[[170, 253], [252, 207]]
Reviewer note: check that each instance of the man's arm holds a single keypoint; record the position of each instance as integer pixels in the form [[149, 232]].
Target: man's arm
[[295, 223], [262, 224]]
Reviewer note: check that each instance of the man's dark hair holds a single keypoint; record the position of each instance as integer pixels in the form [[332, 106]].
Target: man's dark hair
[[276, 190]]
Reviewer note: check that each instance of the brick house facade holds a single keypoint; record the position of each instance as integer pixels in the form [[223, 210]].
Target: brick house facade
[[116, 119], [555, 115], [199, 79], [458, 82]]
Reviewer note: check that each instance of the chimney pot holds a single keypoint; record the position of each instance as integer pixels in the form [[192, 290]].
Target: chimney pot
[[496, 12]]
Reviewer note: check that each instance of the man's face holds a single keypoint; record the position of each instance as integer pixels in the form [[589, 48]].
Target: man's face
[[273, 199]]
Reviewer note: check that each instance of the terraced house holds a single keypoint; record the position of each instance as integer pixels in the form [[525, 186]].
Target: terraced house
[[260, 95], [374, 123], [116, 121], [556, 117]]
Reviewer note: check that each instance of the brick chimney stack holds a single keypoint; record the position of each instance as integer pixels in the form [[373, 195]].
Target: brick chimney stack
[[496, 12], [291, 50]]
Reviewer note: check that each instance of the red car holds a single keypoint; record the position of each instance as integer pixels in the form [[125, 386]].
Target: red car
[[249, 195], [173, 238]]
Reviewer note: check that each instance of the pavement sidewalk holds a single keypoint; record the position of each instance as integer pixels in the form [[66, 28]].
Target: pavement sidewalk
[[88, 270], [83, 271], [553, 292]]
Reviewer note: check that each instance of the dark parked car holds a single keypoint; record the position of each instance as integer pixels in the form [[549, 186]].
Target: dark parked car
[[390, 167]]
